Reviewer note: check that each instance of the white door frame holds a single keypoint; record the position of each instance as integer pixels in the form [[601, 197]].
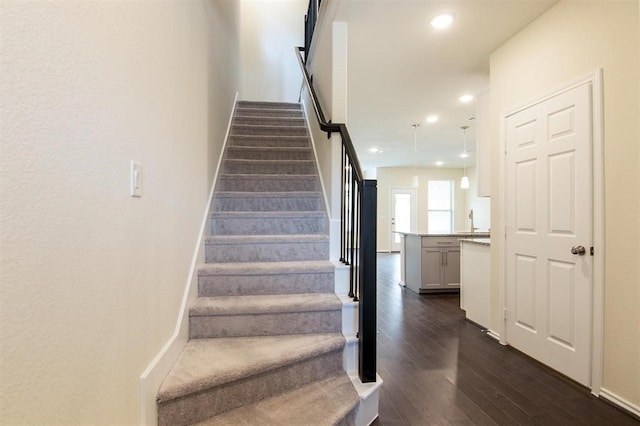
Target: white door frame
[[414, 210], [595, 79]]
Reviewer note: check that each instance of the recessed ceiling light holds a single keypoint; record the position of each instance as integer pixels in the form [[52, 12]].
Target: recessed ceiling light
[[373, 150], [432, 119], [442, 21], [465, 99], [439, 163], [465, 154]]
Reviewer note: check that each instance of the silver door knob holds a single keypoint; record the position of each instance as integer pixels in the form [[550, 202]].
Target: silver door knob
[[579, 250]]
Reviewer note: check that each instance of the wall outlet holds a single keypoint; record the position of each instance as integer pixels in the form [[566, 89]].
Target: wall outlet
[[136, 179]]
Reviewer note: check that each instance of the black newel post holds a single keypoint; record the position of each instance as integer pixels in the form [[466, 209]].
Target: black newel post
[[368, 282]]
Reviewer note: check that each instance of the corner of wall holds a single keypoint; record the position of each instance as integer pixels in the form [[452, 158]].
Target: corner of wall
[[152, 377]]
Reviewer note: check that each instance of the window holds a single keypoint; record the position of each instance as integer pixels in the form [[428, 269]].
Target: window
[[440, 207]]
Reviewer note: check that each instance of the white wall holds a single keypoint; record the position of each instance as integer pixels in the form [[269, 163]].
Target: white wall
[[481, 205], [91, 279], [320, 65], [270, 31], [224, 71], [569, 41], [327, 64]]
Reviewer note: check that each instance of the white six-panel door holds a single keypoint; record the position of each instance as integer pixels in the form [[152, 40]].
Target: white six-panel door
[[549, 217]]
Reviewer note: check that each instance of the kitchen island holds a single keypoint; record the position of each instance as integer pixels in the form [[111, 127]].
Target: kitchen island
[[430, 263]]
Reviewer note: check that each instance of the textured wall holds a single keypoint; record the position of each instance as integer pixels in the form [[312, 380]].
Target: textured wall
[[569, 41], [91, 279]]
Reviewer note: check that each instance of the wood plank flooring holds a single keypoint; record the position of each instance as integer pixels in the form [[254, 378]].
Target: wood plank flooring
[[439, 369]]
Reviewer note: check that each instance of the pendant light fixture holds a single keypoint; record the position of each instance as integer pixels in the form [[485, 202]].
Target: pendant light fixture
[[415, 181], [464, 182]]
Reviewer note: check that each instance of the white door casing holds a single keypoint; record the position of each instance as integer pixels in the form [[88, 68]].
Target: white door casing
[[549, 210], [404, 214]]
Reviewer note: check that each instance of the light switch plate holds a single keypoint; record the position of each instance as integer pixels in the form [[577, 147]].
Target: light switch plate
[[136, 179]]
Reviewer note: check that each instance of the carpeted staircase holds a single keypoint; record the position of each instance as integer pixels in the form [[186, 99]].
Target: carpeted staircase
[[265, 344]]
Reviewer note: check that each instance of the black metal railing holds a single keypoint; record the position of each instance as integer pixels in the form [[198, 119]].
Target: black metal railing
[[310, 20], [358, 208]]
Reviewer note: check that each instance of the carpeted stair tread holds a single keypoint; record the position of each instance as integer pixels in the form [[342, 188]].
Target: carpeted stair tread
[[268, 222], [268, 183], [265, 239], [269, 194], [269, 140], [269, 121], [245, 278], [205, 363], [266, 248], [268, 201], [268, 130], [263, 304], [276, 149], [328, 402], [241, 166], [268, 214], [266, 268], [266, 112], [281, 153], [252, 161], [269, 105]]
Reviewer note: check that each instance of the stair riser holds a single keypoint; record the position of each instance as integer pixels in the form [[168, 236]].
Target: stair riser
[[264, 184], [202, 405], [262, 112], [241, 285], [276, 324], [277, 141], [269, 105], [330, 402], [253, 130], [267, 226], [270, 121], [268, 204], [269, 168], [274, 252], [241, 153]]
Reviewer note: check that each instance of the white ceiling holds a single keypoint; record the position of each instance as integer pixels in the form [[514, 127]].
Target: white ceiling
[[400, 70]]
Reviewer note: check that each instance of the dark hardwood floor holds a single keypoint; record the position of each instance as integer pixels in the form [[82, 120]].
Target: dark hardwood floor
[[439, 369]]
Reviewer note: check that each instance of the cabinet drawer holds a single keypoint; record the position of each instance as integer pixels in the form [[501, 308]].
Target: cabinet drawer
[[440, 242]]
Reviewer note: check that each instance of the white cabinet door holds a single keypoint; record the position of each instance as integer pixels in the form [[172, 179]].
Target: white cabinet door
[[432, 260], [451, 268]]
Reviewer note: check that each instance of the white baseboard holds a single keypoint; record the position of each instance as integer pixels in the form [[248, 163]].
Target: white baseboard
[[494, 335], [159, 367], [620, 401]]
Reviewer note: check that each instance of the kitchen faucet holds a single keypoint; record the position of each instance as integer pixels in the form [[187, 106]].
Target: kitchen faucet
[[471, 217]]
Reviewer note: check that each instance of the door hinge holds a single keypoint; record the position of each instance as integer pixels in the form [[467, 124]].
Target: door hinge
[[591, 251], [504, 314]]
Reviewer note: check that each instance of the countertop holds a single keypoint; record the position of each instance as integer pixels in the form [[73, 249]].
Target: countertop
[[480, 241], [465, 235]]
